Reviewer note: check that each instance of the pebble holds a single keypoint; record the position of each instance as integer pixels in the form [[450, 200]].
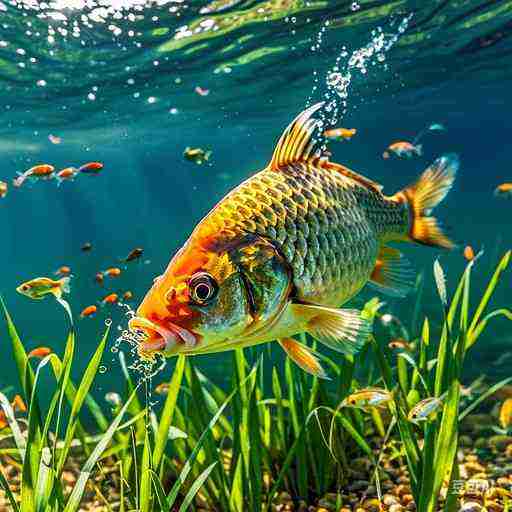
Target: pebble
[[396, 508], [359, 485], [389, 499], [471, 506], [407, 498]]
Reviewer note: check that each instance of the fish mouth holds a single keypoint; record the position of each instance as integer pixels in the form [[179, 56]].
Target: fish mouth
[[159, 338]]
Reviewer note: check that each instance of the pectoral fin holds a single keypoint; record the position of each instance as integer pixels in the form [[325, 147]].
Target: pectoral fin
[[343, 330], [393, 274], [303, 357]]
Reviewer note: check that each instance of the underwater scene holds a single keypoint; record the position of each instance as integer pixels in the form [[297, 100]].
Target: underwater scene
[[256, 255]]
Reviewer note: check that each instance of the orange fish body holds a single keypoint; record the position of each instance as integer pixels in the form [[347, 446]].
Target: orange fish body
[[91, 168], [340, 133], [40, 352], [66, 174], [282, 251], [44, 171], [504, 190], [112, 272], [469, 254], [403, 149], [110, 299], [89, 311], [63, 271], [3, 189]]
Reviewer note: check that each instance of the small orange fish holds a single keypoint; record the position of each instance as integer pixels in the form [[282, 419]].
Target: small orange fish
[[469, 254], [89, 311], [399, 344], [162, 388], [112, 272], [99, 278], [403, 149], [63, 271], [110, 299], [91, 168], [66, 174], [40, 352], [340, 134], [3, 189], [504, 190], [18, 404], [54, 139], [44, 171], [127, 295]]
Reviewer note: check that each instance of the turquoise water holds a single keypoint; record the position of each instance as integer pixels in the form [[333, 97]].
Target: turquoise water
[[116, 82]]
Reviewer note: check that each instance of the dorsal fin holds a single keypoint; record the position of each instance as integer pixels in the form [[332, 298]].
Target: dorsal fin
[[353, 175], [297, 143]]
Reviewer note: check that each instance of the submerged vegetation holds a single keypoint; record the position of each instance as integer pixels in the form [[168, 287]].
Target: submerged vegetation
[[278, 440]]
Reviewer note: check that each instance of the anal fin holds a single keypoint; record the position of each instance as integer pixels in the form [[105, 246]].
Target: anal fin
[[303, 357], [393, 274], [343, 330]]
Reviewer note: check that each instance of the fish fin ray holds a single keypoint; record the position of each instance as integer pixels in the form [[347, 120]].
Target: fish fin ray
[[342, 330], [424, 195], [65, 284], [303, 357], [66, 306], [298, 142], [393, 274], [353, 175]]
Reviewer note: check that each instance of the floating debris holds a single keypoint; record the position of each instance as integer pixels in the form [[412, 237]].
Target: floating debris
[[86, 247], [201, 91], [54, 139], [114, 399]]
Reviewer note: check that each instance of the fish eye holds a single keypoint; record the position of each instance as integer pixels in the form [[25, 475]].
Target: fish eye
[[25, 287], [202, 287]]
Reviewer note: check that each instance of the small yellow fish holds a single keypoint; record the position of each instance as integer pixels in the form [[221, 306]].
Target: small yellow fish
[[284, 250], [399, 344], [425, 410], [403, 149], [196, 155], [504, 190], [340, 133], [39, 287], [367, 398], [506, 414]]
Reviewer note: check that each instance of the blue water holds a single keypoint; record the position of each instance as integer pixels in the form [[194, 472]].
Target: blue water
[[452, 66]]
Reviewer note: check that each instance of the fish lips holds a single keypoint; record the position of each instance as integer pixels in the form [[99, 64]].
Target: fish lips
[[162, 338]]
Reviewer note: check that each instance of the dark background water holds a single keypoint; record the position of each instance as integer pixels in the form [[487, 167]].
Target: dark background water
[[452, 66]]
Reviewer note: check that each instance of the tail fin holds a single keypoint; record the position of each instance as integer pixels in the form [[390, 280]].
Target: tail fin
[[419, 149], [424, 195]]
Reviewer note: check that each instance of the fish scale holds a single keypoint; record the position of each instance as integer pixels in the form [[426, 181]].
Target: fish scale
[[327, 226]]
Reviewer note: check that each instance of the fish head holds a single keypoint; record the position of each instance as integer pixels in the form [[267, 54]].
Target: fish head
[[215, 294], [34, 289]]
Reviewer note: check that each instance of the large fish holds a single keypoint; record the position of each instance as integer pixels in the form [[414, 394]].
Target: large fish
[[282, 251]]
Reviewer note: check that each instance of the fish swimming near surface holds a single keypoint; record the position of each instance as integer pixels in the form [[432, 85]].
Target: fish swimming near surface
[[284, 250], [39, 287]]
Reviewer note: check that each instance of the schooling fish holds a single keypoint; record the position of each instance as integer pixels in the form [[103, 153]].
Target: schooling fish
[[282, 251], [42, 171], [340, 133], [134, 254], [403, 149], [67, 174], [368, 398], [91, 168], [110, 299], [89, 311], [63, 271], [425, 410]]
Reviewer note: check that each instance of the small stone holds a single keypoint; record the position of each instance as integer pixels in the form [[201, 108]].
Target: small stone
[[371, 504], [389, 499], [471, 506], [411, 506], [403, 489], [359, 485], [396, 508], [407, 498], [493, 506], [403, 479]]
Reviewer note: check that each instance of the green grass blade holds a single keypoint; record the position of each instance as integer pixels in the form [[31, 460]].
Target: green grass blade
[[167, 414], [195, 487], [145, 495], [81, 393], [78, 491]]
